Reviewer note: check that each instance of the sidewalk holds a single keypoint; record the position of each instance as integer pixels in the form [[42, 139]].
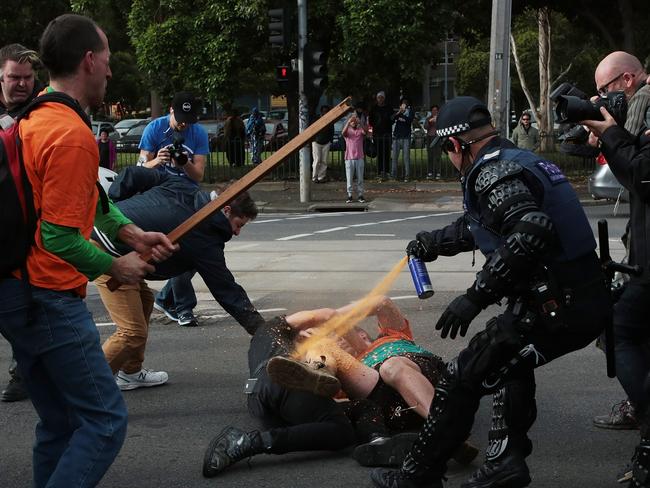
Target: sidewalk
[[414, 196]]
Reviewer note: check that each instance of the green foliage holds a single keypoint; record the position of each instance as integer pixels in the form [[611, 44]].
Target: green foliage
[[213, 48], [472, 66], [383, 43], [24, 22]]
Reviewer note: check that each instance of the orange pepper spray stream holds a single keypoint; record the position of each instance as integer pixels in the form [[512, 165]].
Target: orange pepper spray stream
[[341, 324]]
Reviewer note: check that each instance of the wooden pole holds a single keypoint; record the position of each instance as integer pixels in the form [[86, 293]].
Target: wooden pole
[[252, 177]]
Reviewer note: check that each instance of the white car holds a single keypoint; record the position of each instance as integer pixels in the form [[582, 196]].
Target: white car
[[125, 124], [100, 125]]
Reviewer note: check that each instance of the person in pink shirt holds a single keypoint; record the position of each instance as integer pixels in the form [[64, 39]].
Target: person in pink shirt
[[354, 133]]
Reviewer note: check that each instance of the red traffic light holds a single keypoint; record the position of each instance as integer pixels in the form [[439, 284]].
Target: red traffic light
[[282, 73]]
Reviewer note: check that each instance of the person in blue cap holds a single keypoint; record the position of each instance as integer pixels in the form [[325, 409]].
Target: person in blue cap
[[524, 216]]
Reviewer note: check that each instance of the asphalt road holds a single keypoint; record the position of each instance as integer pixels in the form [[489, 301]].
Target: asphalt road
[[293, 262]]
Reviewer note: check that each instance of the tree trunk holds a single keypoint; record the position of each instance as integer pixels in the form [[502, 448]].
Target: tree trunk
[[545, 120], [156, 105], [522, 78]]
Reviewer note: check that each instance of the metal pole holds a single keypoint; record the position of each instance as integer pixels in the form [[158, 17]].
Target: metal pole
[[303, 109], [445, 96], [499, 84]]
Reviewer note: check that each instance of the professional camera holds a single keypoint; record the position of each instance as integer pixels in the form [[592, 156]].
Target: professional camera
[[572, 105], [177, 152]]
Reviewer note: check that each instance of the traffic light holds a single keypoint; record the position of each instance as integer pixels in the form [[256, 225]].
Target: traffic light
[[315, 68], [282, 73], [278, 35]]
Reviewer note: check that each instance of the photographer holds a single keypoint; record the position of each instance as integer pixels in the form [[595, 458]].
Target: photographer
[[178, 135], [629, 160], [177, 132]]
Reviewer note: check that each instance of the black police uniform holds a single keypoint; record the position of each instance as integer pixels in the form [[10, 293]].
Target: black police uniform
[[524, 216]]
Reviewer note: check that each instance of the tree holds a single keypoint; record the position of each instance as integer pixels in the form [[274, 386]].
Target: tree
[[212, 47], [24, 22], [384, 44]]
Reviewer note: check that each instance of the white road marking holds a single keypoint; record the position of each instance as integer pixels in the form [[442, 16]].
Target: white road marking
[[296, 236], [265, 221], [390, 221], [363, 225], [104, 324], [333, 229]]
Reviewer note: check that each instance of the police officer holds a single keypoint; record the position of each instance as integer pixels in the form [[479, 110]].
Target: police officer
[[525, 217]]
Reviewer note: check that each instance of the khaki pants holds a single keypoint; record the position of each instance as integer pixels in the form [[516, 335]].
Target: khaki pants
[[130, 307]]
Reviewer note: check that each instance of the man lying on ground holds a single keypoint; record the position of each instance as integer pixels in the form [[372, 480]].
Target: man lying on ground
[[294, 399]]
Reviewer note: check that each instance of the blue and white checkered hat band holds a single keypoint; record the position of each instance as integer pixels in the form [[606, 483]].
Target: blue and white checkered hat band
[[453, 130]]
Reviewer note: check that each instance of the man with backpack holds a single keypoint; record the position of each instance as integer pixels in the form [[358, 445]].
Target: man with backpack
[[82, 414], [18, 87]]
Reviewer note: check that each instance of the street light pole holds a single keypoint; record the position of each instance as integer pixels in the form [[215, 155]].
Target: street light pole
[[499, 84], [303, 109]]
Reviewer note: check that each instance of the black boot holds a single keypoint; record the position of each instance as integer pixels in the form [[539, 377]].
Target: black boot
[[641, 462], [385, 451], [513, 412], [15, 390], [232, 445]]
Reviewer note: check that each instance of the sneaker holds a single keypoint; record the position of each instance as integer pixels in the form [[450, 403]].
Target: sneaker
[[396, 478], [429, 176], [143, 378], [621, 417], [349, 200], [438, 176], [297, 375], [170, 312], [228, 447], [15, 390], [385, 451], [187, 319], [406, 180], [361, 199]]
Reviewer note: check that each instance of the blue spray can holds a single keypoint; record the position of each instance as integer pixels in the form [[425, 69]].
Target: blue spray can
[[420, 277]]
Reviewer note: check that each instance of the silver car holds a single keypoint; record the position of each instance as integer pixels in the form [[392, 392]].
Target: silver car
[[604, 185]]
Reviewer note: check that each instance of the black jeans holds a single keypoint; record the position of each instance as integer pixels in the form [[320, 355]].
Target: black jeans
[[383, 143], [632, 333], [297, 420]]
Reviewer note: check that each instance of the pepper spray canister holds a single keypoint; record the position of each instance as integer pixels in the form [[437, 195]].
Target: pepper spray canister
[[420, 277]]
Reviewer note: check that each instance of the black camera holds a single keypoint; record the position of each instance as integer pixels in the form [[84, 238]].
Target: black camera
[[176, 152], [572, 105]]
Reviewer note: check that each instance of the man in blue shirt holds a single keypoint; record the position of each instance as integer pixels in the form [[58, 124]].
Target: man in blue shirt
[[177, 298]]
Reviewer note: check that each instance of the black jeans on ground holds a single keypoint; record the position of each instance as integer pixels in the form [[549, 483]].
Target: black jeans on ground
[[383, 143]]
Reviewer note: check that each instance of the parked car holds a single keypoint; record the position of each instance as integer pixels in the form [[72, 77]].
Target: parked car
[[99, 125], [125, 124], [603, 184], [130, 141], [276, 135], [214, 128]]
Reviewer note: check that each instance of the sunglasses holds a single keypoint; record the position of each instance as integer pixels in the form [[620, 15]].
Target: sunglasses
[[455, 145]]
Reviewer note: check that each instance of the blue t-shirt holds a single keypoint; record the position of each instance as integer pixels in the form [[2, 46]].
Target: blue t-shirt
[[159, 134]]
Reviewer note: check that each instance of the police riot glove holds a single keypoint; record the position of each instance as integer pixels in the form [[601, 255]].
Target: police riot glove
[[423, 247], [457, 317]]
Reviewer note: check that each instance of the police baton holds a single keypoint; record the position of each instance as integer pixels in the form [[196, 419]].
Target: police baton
[[610, 267]]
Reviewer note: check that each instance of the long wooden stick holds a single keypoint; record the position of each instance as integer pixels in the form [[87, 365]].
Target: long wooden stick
[[252, 177]]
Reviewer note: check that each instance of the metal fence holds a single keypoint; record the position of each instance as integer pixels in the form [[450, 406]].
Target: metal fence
[[219, 169]]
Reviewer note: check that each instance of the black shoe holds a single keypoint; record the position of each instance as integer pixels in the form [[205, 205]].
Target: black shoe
[[508, 472], [361, 199], [187, 319], [621, 417], [231, 445], [298, 375], [170, 312], [385, 451], [15, 391], [349, 200], [396, 478]]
